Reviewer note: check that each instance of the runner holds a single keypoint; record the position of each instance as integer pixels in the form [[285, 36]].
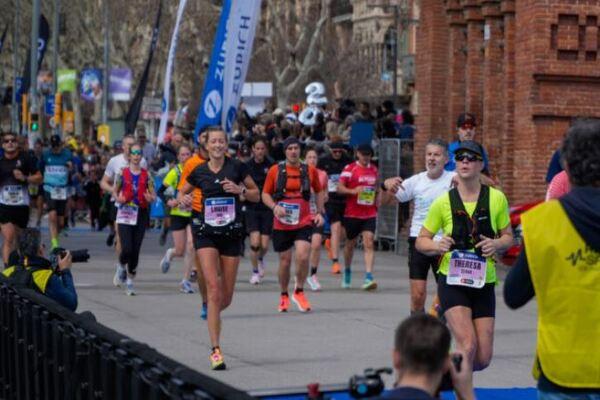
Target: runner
[[134, 191], [287, 193], [476, 226], [358, 182], [17, 171], [333, 165], [180, 222], [195, 199], [259, 219], [114, 169], [423, 188], [218, 228], [56, 163], [311, 157]]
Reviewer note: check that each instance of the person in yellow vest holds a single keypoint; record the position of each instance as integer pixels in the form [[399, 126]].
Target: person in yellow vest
[[32, 270], [560, 266]]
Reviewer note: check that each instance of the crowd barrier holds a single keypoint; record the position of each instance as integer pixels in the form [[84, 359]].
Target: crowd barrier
[[49, 352]]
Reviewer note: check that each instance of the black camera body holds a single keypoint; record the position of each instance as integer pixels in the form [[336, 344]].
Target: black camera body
[[77, 256], [368, 385]]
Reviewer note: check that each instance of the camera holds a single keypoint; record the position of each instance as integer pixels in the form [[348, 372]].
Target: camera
[[78, 256], [446, 383], [368, 385]]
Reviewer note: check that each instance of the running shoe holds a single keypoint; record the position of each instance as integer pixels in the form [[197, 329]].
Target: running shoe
[[120, 275], [261, 268], [193, 275], [301, 301], [110, 240], [165, 263], [163, 237], [346, 279], [369, 284], [328, 247], [129, 289], [313, 282], [204, 312], [335, 268], [284, 303], [185, 286], [216, 360], [255, 278]]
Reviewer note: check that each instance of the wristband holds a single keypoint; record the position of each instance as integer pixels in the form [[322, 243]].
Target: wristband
[[383, 187]]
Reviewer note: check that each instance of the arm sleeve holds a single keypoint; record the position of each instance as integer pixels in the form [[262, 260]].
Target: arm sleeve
[[518, 286], [61, 289]]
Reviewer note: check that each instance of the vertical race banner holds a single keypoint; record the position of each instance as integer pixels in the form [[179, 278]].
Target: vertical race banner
[[231, 54], [162, 128], [43, 37], [134, 110]]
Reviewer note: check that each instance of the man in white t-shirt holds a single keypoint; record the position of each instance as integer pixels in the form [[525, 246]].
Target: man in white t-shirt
[[113, 170], [423, 188]]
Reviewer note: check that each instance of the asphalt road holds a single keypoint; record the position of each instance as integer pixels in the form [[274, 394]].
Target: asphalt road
[[347, 331]]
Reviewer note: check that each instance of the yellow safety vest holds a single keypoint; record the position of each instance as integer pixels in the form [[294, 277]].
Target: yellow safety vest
[[40, 277], [566, 277]]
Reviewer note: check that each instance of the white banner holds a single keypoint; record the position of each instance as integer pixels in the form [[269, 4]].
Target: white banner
[[162, 128], [241, 28]]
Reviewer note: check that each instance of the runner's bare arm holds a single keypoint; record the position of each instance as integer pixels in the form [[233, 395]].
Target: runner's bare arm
[[426, 245], [35, 179], [490, 247], [106, 184], [252, 193], [268, 201], [342, 189]]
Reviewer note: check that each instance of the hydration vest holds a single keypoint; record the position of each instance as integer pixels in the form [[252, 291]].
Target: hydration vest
[[127, 188], [466, 230], [280, 185], [31, 277]]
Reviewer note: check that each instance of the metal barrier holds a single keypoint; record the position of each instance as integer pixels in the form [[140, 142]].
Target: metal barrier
[[395, 159], [48, 352]]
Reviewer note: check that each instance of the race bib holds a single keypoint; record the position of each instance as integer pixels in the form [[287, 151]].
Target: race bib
[[332, 182], [292, 213], [13, 195], [127, 214], [219, 211], [58, 193], [366, 197], [466, 269]]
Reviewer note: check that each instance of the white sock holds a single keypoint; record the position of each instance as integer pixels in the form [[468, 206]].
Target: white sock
[[170, 254], [129, 281]]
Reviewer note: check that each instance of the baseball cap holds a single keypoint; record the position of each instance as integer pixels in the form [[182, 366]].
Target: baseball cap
[[337, 146], [470, 146], [466, 118], [365, 148], [55, 140], [290, 141]]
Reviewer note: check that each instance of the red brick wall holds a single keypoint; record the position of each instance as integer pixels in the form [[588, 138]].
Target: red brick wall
[[537, 71]]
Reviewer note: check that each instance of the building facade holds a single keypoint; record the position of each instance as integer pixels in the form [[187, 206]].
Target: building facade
[[525, 68]]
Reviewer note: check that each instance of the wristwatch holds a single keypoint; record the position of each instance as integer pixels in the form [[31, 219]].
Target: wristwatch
[[243, 191]]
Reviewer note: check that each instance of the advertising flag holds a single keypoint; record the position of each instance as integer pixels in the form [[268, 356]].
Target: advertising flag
[[91, 84], [119, 85], [67, 80], [43, 36], [162, 128], [231, 54]]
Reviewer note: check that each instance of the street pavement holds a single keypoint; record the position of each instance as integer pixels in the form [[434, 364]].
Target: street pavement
[[347, 331]]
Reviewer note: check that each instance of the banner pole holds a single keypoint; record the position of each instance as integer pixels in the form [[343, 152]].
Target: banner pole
[[105, 82]]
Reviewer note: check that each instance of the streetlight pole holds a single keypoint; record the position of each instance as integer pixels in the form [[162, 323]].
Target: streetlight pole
[[15, 106], [395, 54], [106, 64], [55, 35], [35, 33]]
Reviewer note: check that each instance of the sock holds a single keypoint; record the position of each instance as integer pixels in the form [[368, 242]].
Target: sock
[[334, 260], [129, 281], [284, 294], [313, 270], [170, 254], [347, 270], [299, 290], [260, 259], [54, 242], [216, 348], [254, 270], [368, 276]]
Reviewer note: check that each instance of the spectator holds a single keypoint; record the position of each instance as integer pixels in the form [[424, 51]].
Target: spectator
[[554, 167], [407, 125], [560, 266], [421, 358], [148, 150], [559, 186]]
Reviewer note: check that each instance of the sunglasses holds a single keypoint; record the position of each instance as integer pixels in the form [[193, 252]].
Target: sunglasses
[[9, 141], [467, 126], [135, 152], [467, 157]]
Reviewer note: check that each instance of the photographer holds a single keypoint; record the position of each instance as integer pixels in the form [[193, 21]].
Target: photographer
[[30, 268], [421, 358]]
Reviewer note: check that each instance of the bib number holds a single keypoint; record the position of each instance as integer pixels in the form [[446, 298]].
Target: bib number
[[332, 183], [58, 193], [467, 269], [127, 214], [292, 213], [12, 195], [366, 197], [219, 211]]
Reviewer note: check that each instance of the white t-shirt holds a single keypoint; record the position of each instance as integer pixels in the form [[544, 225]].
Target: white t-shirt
[[423, 191], [116, 165]]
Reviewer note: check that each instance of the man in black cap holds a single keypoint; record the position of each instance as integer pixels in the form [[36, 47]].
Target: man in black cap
[[475, 224], [358, 182], [466, 125], [287, 192], [333, 164]]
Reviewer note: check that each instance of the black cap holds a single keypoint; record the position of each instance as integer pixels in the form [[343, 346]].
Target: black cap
[[290, 141], [466, 118], [365, 148], [55, 140], [336, 146], [470, 146]]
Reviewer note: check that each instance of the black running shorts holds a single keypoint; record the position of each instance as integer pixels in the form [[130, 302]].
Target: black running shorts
[[419, 263], [335, 212], [355, 226], [259, 221], [482, 302], [226, 246], [16, 215], [179, 222], [55, 205], [284, 240]]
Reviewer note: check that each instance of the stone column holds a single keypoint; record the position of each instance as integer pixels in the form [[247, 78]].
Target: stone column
[[475, 59]]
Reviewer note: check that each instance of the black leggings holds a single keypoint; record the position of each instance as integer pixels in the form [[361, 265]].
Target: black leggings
[[131, 237]]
